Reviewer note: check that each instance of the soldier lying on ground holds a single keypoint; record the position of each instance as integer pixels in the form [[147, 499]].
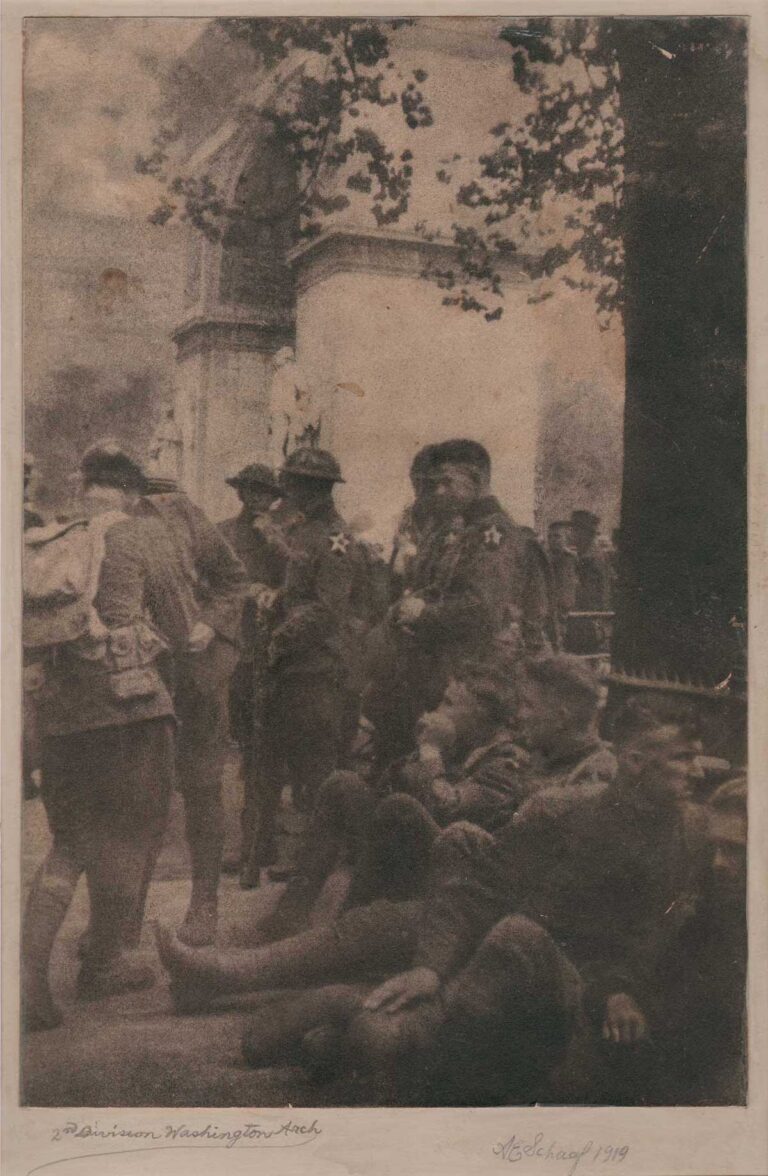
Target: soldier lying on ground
[[558, 706], [555, 928]]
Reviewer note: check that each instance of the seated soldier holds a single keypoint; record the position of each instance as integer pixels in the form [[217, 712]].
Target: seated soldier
[[373, 939], [375, 840], [702, 1052], [555, 927]]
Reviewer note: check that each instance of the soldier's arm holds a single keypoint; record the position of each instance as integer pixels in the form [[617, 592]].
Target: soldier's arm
[[479, 595], [119, 598], [223, 573], [497, 786]]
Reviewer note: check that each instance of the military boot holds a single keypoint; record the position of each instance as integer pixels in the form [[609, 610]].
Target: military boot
[[46, 909]]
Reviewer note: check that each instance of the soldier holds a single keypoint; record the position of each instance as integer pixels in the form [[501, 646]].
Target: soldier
[[377, 936], [316, 638], [477, 582], [376, 838], [593, 589], [264, 564], [218, 582], [559, 926], [563, 561], [106, 722]]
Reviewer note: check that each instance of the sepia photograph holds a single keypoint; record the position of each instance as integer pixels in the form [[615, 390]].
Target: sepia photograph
[[384, 596]]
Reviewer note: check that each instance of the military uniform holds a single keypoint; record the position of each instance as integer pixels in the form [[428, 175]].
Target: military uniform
[[576, 899], [106, 720], [218, 582], [264, 562], [315, 647], [484, 588]]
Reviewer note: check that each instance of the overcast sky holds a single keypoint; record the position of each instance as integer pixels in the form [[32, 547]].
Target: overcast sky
[[91, 87]]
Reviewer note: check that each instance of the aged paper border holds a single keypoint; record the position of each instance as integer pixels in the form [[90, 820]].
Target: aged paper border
[[663, 1142]]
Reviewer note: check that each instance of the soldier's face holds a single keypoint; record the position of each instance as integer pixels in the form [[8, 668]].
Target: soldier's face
[[299, 491], [452, 489], [559, 539], [100, 499], [664, 763], [729, 838], [256, 499]]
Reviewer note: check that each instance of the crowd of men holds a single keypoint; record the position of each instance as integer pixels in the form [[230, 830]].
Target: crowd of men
[[484, 890]]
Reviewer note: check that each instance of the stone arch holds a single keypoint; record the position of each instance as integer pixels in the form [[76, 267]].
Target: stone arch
[[254, 270]]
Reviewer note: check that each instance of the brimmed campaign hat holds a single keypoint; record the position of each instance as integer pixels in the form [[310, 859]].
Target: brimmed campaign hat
[[256, 474]]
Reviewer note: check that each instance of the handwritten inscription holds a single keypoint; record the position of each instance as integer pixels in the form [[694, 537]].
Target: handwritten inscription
[[287, 1133], [517, 1148]]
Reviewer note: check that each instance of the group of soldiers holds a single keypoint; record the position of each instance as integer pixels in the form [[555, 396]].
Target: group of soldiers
[[481, 882]]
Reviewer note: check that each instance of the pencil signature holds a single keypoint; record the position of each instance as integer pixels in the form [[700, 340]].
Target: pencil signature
[[173, 1136]]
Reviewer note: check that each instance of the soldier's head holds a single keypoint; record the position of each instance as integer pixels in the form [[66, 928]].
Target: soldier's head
[[308, 475], [111, 479], [257, 488], [481, 696], [460, 474], [657, 755], [559, 537], [559, 697], [728, 833], [584, 528]]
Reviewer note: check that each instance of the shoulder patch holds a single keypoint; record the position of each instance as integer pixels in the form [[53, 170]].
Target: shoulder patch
[[339, 542], [493, 537]]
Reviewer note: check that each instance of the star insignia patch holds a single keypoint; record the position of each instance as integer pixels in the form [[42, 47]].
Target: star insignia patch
[[339, 543], [492, 537]]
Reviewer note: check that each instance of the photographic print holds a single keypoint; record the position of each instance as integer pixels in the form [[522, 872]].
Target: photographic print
[[384, 610]]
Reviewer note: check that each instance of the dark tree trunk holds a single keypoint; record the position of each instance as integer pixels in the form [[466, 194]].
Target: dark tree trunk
[[683, 525]]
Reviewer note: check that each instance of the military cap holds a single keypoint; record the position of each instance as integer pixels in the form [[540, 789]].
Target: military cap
[[161, 486], [313, 463], [256, 474], [494, 681], [560, 525], [584, 520], [564, 672], [108, 465], [461, 451]]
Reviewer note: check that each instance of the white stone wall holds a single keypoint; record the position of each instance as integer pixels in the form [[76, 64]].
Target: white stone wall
[[426, 374], [222, 410]]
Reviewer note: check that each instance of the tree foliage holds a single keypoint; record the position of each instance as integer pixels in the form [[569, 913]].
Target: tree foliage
[[555, 172], [317, 118]]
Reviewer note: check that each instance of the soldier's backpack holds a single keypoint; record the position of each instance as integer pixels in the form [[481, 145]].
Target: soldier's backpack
[[62, 563]]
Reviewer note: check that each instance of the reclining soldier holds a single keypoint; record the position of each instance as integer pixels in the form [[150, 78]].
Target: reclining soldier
[[556, 928], [374, 939]]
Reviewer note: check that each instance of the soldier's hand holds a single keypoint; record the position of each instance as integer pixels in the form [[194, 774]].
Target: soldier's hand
[[445, 794], [201, 637], [624, 1022], [401, 991], [410, 609]]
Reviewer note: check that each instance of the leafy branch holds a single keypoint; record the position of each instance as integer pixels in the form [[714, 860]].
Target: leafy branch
[[315, 122]]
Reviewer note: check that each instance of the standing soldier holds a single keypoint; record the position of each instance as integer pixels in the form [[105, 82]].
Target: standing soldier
[[218, 581], [264, 564], [593, 590], [105, 605], [477, 583], [316, 639], [563, 560]]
